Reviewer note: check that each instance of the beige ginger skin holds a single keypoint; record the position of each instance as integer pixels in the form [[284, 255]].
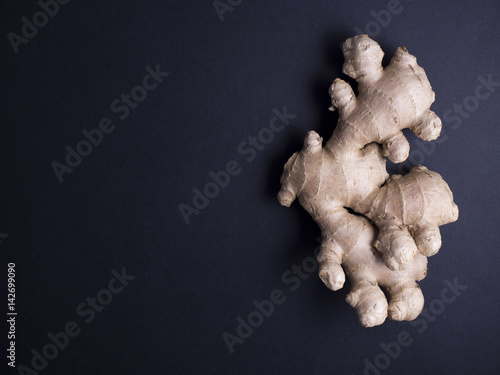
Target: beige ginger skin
[[377, 229]]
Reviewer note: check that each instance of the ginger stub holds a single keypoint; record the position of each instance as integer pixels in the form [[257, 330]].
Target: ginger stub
[[376, 229]]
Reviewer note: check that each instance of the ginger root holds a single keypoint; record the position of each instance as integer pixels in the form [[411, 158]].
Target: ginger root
[[377, 229]]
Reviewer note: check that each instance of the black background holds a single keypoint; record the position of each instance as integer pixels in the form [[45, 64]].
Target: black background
[[119, 207]]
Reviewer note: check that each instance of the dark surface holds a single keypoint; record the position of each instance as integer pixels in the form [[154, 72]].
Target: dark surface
[[119, 207]]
